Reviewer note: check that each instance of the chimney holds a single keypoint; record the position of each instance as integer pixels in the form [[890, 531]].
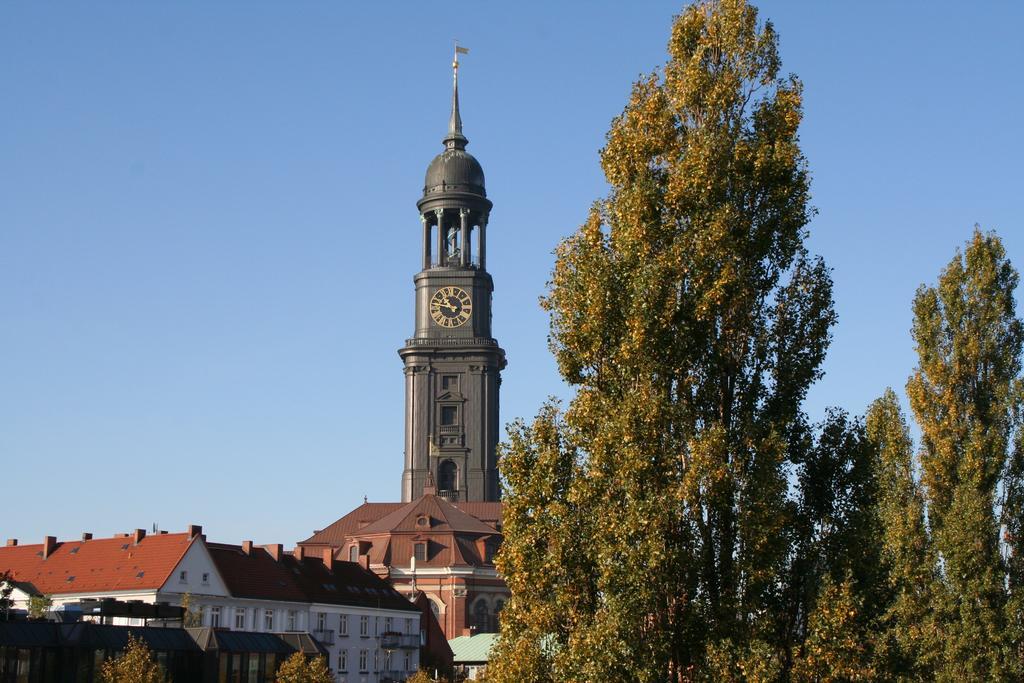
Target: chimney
[[86, 536], [11, 542], [194, 530], [364, 562], [429, 488], [275, 550], [247, 547], [299, 552], [49, 545], [328, 557], [138, 536]]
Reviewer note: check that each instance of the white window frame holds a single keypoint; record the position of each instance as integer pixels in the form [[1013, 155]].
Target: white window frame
[[239, 618], [214, 616], [364, 658], [268, 620], [364, 626], [343, 625]]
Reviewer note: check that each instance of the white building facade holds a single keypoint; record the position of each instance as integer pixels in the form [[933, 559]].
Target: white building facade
[[369, 632]]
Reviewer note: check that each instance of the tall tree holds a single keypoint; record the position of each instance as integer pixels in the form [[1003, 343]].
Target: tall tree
[[1013, 526], [837, 581], [965, 394], [691, 320], [906, 641]]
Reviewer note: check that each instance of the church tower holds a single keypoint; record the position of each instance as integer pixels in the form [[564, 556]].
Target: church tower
[[452, 363]]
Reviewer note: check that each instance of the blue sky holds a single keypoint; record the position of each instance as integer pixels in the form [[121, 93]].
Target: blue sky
[[208, 227]]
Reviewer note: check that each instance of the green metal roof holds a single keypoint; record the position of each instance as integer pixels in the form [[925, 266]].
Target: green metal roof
[[473, 649]]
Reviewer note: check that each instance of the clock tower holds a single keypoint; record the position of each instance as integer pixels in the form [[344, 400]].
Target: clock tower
[[452, 363]]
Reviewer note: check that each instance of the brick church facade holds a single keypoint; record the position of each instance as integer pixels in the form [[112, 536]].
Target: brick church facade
[[439, 542]]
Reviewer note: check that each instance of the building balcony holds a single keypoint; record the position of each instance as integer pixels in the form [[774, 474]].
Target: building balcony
[[448, 495], [325, 637], [392, 640], [451, 341]]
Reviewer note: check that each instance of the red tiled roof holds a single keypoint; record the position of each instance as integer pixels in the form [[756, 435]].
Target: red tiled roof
[[392, 530], [97, 565], [443, 517], [367, 514], [485, 511], [258, 575], [335, 534], [254, 575], [345, 583]]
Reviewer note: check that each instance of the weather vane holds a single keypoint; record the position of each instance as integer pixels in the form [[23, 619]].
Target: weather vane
[[459, 50]]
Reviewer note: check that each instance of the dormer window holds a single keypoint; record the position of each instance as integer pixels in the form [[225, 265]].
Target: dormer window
[[420, 551], [423, 521], [353, 553]]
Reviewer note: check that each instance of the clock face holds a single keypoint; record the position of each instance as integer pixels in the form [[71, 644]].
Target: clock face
[[450, 306]]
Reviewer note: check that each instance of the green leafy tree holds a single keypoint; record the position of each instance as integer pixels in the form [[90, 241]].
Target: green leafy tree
[[1013, 525], [837, 646], [6, 590], [135, 665], [39, 605], [838, 542], [301, 669], [907, 642], [966, 397], [648, 527]]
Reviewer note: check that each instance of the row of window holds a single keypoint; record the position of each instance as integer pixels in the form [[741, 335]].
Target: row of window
[[267, 616], [292, 621], [364, 661]]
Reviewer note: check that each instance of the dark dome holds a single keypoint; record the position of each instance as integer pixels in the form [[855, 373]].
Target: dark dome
[[454, 170]]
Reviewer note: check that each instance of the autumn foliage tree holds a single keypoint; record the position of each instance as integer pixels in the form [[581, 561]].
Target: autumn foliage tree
[[966, 395], [134, 665], [647, 527], [302, 669]]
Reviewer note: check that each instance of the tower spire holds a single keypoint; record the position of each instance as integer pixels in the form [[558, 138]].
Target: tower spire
[[455, 138]]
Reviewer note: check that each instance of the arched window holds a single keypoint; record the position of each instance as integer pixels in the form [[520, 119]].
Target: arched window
[[482, 617], [448, 476]]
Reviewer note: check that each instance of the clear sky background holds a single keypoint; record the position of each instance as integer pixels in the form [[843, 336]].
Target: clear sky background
[[208, 228]]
